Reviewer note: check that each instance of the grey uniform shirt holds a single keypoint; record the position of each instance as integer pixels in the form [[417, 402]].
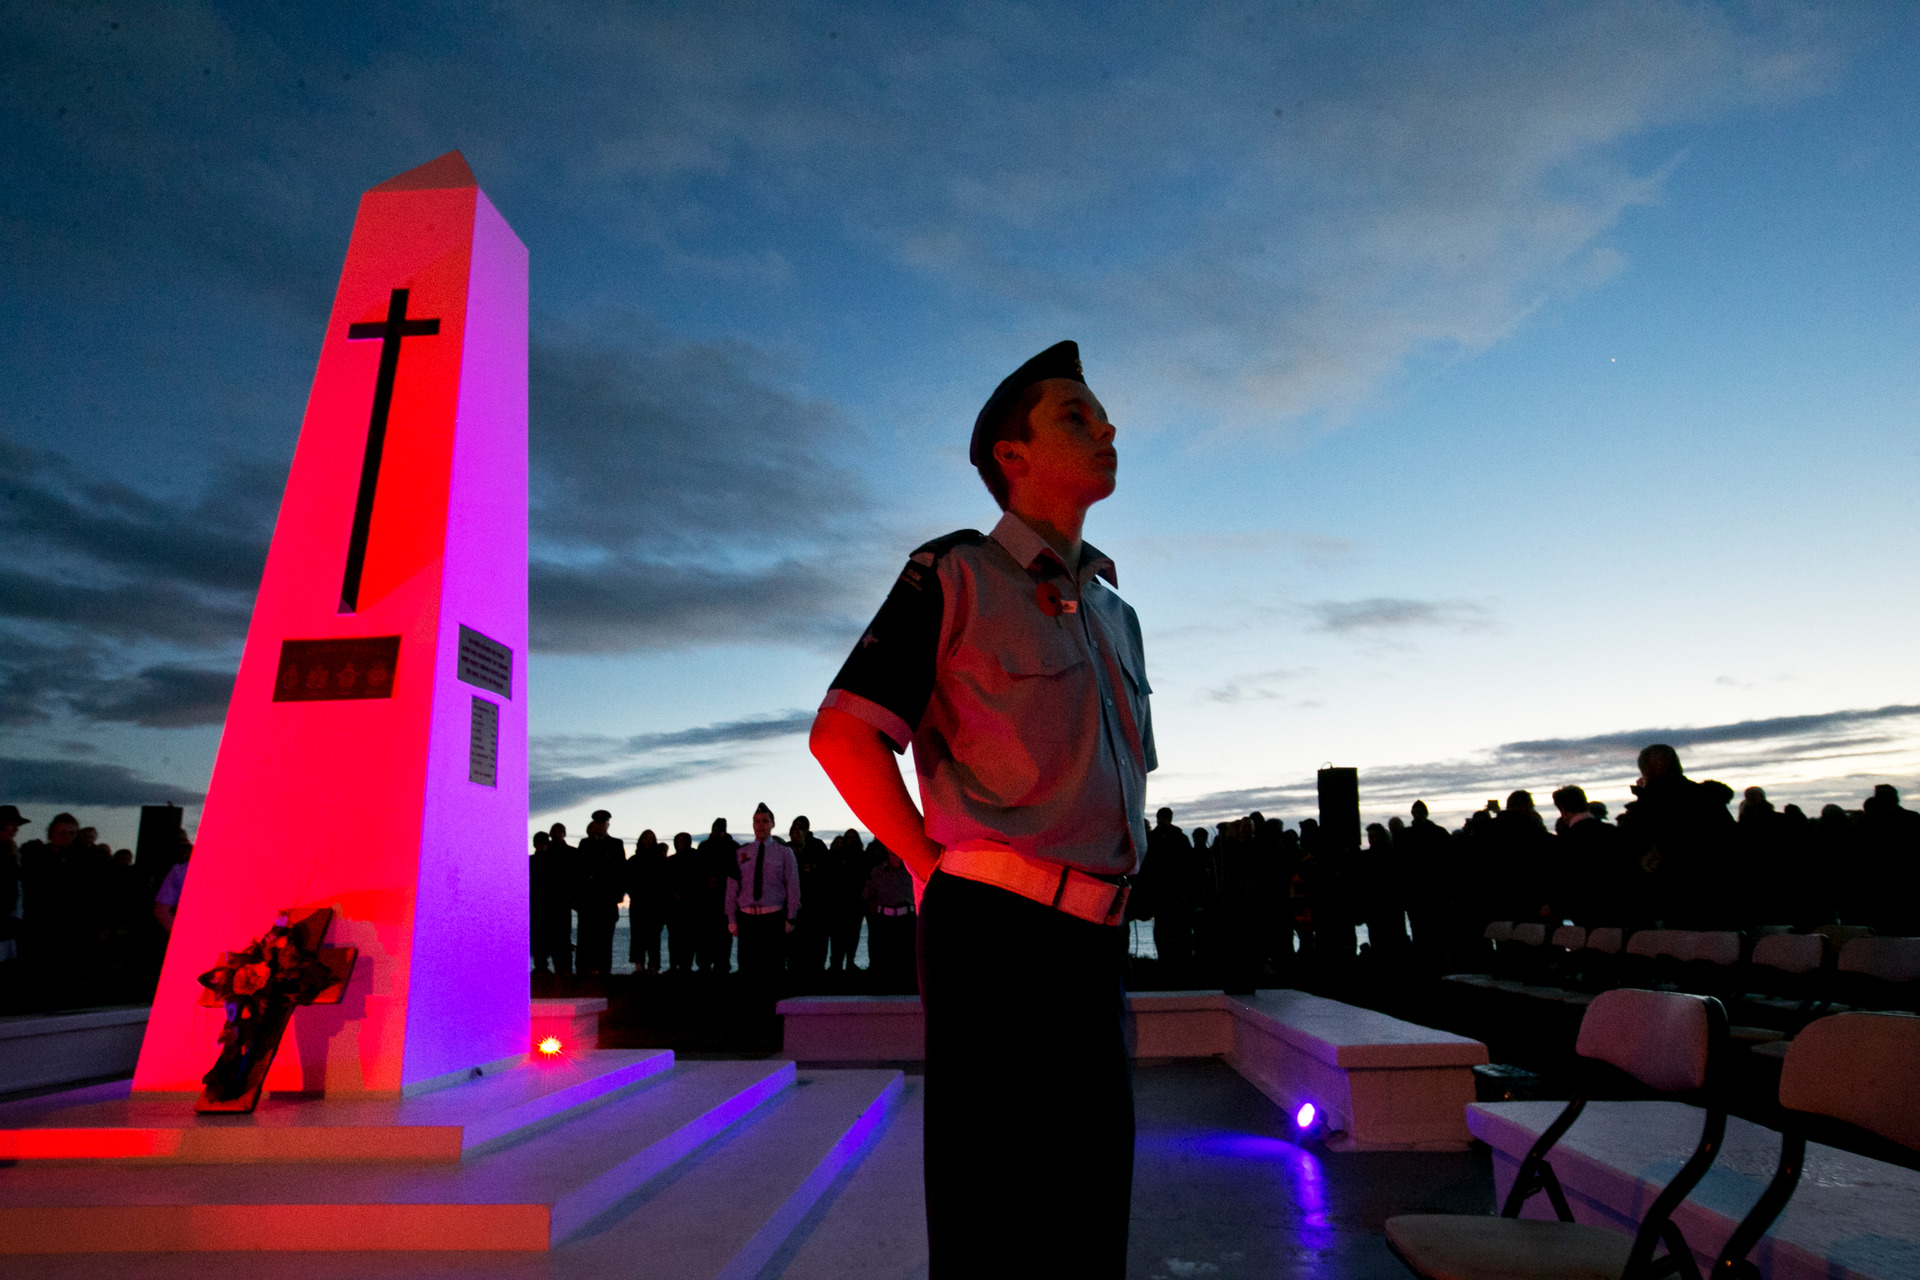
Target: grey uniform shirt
[[1022, 688], [779, 878]]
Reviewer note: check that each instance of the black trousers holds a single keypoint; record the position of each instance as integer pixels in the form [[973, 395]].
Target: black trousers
[[597, 925], [1029, 1113], [643, 939], [763, 948]]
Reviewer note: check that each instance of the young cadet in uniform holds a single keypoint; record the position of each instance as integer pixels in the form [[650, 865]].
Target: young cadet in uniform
[[1018, 676]]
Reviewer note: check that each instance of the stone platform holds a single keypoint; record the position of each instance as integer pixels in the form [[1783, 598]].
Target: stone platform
[[1851, 1218], [108, 1122], [1224, 1189], [1379, 1083], [358, 1179]]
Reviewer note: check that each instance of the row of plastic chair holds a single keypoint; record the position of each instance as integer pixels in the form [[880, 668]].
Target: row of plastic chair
[[1855, 1074], [1841, 965]]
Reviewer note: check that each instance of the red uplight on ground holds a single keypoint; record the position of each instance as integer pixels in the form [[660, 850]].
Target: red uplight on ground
[[550, 1046]]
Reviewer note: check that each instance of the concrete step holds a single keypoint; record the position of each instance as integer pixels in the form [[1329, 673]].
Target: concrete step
[[108, 1122], [528, 1192], [874, 1226], [727, 1213]]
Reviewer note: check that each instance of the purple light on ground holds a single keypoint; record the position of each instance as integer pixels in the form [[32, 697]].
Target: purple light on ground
[[1304, 1116]]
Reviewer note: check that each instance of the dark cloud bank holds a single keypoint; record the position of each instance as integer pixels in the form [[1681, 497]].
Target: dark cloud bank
[[680, 498]]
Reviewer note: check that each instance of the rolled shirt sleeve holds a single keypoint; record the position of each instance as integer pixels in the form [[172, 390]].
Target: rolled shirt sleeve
[[888, 678]]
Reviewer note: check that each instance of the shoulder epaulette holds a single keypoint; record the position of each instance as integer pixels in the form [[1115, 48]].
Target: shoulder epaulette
[[928, 552]]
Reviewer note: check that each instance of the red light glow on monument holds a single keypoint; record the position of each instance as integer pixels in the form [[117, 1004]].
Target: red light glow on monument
[[374, 754], [550, 1047]]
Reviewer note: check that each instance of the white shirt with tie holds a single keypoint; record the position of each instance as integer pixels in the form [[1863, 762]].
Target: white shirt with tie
[[779, 879]]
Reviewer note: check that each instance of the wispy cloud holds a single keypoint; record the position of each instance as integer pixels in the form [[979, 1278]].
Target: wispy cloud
[[1259, 686], [1775, 745], [1741, 731], [570, 768], [1393, 613]]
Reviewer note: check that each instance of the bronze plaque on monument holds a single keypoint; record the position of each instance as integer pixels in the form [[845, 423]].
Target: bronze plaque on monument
[[336, 670], [484, 663]]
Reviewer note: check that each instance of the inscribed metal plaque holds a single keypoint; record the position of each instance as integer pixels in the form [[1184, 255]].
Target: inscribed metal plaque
[[335, 670], [483, 748], [486, 663]]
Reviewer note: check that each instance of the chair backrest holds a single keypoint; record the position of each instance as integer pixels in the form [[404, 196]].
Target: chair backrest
[[1498, 931], [1570, 937], [1791, 952], [1606, 940], [1646, 943], [1529, 935], [1662, 1039], [1841, 934], [1863, 1068], [1715, 948], [1889, 959]]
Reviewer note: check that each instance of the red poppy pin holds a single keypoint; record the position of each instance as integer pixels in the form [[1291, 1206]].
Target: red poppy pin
[[1052, 603]]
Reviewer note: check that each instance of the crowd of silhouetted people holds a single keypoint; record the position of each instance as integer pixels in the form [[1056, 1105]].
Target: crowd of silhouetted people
[[1254, 902], [682, 919], [80, 923], [1250, 902]]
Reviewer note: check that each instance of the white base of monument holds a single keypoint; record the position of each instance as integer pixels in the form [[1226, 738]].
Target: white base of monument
[[511, 1163], [1851, 1218], [1378, 1083]]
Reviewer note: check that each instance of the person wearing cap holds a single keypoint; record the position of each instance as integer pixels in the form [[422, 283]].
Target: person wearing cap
[[763, 900], [602, 861], [1010, 664]]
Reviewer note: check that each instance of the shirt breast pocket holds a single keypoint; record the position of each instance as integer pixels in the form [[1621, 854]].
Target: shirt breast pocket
[[1136, 669], [1030, 661]]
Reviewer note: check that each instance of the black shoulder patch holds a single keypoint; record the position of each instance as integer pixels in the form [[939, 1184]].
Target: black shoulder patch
[[947, 542]]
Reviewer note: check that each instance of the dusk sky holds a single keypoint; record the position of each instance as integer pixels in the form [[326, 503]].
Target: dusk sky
[[1499, 387]]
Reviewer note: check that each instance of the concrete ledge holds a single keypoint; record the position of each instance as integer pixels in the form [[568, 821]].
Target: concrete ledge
[[65, 1048], [1852, 1218], [1380, 1084], [574, 1023], [853, 1029]]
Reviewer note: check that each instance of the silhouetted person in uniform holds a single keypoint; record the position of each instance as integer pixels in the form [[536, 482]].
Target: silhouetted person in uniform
[[1678, 829], [552, 911], [763, 901], [647, 902], [1018, 676], [1382, 893], [1167, 875], [1890, 845], [602, 861], [1595, 872], [686, 876], [846, 879], [1426, 856], [716, 856], [807, 948], [890, 927]]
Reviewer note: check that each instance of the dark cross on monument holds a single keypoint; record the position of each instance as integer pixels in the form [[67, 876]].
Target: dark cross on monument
[[395, 327]]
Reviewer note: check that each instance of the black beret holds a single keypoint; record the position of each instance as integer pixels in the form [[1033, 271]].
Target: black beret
[[1061, 360]]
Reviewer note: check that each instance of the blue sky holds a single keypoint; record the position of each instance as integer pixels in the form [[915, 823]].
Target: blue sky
[[1497, 385]]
